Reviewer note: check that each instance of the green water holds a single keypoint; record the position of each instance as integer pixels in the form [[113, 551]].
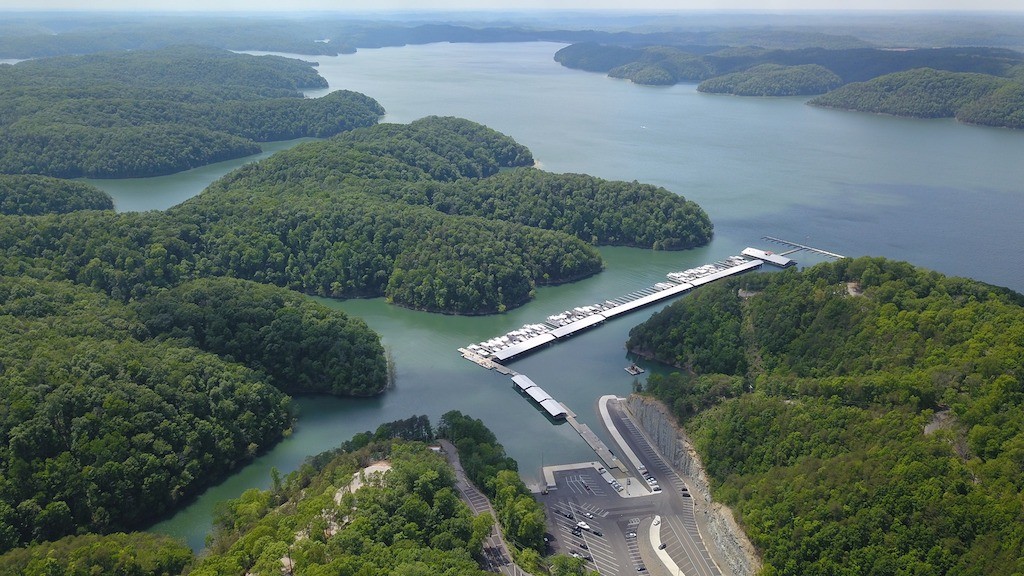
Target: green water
[[162, 192], [936, 193]]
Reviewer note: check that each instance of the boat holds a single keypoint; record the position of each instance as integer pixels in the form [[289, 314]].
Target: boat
[[634, 369]]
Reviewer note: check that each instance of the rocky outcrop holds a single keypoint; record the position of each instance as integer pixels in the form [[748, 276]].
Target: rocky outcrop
[[673, 443]]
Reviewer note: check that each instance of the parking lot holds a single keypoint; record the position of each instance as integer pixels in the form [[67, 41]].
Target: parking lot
[[619, 533]]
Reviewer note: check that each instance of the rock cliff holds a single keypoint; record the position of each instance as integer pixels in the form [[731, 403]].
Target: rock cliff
[[673, 443]]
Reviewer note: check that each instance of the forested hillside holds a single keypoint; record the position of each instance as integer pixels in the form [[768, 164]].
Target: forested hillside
[[368, 215], [104, 428], [598, 211], [32, 195], [37, 35], [927, 93], [483, 458], [774, 80], [304, 347], [407, 520], [137, 554], [851, 64], [975, 85], [364, 214], [861, 417], [146, 113]]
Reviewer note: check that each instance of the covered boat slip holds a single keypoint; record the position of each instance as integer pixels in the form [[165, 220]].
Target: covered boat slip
[[769, 257], [553, 407], [646, 300], [522, 347], [559, 326]]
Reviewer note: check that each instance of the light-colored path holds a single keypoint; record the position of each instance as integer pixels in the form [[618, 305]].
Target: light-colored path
[[500, 560]]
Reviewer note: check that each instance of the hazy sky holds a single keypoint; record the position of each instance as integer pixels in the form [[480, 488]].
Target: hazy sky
[[510, 5]]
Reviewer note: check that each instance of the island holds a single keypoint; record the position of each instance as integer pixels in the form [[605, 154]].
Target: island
[[974, 85]]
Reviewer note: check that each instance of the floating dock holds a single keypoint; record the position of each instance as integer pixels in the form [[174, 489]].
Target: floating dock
[[796, 247], [553, 407], [491, 353], [769, 257]]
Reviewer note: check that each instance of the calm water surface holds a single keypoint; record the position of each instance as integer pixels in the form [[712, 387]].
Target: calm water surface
[[162, 192], [936, 193]]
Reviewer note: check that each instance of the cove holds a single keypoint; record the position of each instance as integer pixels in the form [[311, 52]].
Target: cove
[[162, 192], [934, 192]]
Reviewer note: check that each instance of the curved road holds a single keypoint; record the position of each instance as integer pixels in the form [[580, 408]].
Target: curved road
[[498, 558], [679, 528]]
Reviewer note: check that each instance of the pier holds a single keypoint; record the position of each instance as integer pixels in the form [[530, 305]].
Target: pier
[[797, 247], [491, 353]]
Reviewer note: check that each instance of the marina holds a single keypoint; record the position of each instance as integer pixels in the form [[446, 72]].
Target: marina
[[796, 247], [491, 353]]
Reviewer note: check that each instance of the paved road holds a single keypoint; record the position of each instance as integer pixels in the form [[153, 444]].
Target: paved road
[[498, 558], [626, 533], [679, 531]]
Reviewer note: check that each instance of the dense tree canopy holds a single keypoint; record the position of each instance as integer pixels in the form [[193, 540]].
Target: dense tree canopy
[[137, 554], [104, 429], [487, 466], [976, 85], [145, 113], [1002, 107], [598, 211], [849, 64], [32, 195], [774, 80], [407, 521], [927, 93], [303, 346], [418, 213], [872, 423]]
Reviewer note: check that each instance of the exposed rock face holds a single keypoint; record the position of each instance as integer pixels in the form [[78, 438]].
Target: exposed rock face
[[675, 445]]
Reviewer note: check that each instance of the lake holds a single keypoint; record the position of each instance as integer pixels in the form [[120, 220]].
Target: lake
[[934, 192]]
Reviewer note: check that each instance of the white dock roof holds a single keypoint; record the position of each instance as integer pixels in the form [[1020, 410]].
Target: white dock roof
[[769, 257], [553, 407], [538, 394], [573, 327], [523, 382], [524, 346]]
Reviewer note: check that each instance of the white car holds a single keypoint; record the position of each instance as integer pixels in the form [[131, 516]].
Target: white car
[[583, 525]]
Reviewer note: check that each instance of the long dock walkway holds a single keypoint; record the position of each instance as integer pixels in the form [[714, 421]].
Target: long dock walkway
[[557, 327], [596, 444], [797, 247]]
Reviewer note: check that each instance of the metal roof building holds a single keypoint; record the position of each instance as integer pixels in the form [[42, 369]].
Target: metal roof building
[[521, 347], [769, 257], [523, 382], [576, 326], [538, 394], [554, 408]]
